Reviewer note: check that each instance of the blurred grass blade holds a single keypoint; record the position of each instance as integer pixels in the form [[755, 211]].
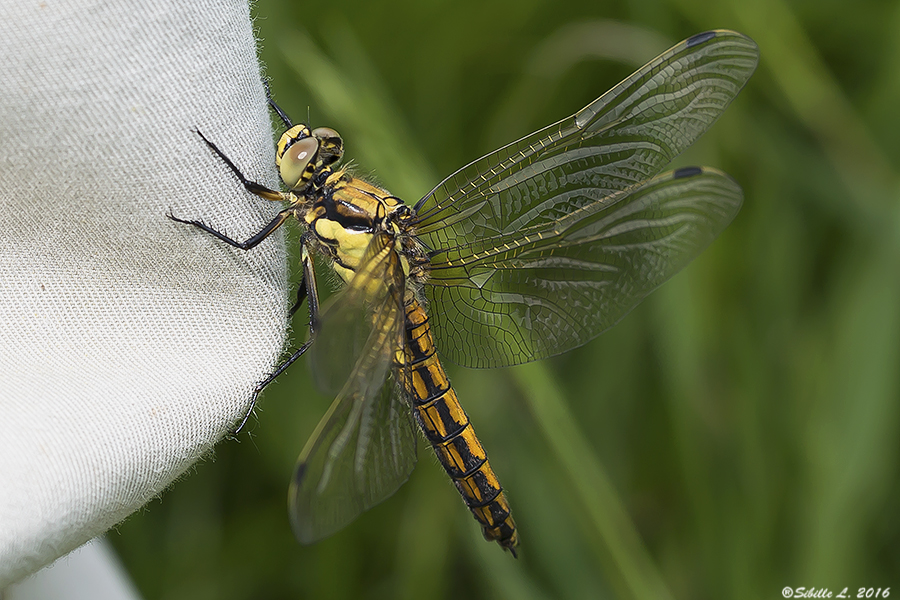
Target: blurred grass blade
[[506, 578], [358, 104], [801, 73], [630, 569], [554, 58], [853, 427]]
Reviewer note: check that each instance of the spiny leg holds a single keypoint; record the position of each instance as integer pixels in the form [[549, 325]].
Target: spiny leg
[[307, 287], [251, 241], [301, 296], [261, 386], [308, 290], [281, 114], [251, 186]]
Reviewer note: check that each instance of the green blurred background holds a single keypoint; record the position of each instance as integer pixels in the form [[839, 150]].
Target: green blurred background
[[737, 433]]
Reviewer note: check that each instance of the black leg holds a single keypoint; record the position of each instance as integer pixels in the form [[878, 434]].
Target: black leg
[[309, 276], [301, 296], [251, 186], [309, 290], [284, 118], [281, 369], [251, 241]]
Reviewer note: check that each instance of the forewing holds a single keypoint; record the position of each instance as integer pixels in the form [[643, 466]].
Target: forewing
[[621, 139], [552, 286], [513, 275], [365, 446]]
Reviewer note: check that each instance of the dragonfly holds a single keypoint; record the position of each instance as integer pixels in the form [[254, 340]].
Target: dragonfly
[[523, 254]]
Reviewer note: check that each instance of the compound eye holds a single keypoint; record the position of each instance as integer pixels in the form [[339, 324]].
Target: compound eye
[[288, 139], [331, 145], [325, 133], [295, 162]]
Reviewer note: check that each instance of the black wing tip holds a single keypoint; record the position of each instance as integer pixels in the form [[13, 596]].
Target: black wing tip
[[685, 172], [703, 37], [696, 40], [299, 474], [302, 532]]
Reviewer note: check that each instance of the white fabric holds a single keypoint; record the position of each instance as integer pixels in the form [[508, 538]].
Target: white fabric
[[91, 572], [129, 344]]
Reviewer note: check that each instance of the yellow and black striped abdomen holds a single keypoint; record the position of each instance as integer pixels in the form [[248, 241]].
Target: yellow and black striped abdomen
[[447, 428]]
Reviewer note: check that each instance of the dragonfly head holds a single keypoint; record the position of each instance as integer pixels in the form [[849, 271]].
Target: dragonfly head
[[301, 153]]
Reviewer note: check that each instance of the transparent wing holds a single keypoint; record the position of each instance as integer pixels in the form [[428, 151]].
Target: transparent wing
[[365, 446], [597, 162], [552, 286], [624, 137], [346, 323]]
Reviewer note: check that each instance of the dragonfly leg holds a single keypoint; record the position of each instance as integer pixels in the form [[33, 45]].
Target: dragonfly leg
[[251, 186], [301, 296], [261, 386], [251, 241], [312, 289], [281, 114], [307, 290]]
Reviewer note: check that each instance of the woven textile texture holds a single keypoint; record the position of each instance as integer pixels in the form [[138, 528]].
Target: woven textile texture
[[129, 344]]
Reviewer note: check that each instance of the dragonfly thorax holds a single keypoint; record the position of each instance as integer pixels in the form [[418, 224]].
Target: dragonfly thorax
[[345, 213]]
